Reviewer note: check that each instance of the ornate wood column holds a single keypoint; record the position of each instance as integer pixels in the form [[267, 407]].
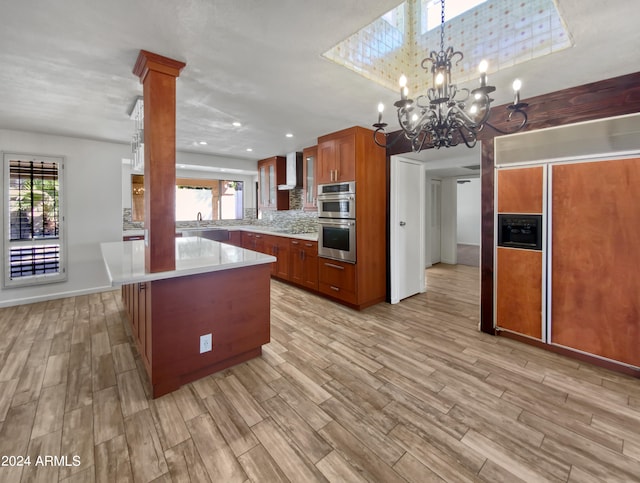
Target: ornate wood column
[[158, 76]]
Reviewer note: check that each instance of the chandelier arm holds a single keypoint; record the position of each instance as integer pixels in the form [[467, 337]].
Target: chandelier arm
[[514, 110], [466, 141], [386, 135], [468, 122]]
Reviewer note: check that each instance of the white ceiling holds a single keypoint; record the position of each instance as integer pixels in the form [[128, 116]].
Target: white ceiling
[[65, 67]]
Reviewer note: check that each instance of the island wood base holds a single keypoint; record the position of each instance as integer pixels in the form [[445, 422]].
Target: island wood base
[[169, 316]]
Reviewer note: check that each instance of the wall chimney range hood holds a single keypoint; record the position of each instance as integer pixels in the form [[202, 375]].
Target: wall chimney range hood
[[294, 172]]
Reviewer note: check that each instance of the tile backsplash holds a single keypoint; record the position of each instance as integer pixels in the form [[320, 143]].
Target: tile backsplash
[[295, 220]]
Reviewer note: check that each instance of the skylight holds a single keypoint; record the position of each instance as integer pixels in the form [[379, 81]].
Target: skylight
[[504, 32], [431, 11]]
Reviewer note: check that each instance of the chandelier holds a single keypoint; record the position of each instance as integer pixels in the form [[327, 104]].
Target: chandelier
[[446, 115]]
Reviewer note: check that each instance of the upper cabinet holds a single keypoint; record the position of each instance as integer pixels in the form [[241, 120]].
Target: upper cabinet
[[337, 157], [309, 183], [272, 172]]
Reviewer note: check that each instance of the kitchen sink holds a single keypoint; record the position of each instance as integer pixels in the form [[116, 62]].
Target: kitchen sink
[[216, 234]]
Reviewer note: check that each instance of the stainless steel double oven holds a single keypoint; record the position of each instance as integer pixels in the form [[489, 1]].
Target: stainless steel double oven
[[337, 221]]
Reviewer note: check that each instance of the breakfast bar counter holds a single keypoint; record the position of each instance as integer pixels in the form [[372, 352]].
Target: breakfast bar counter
[[217, 292]]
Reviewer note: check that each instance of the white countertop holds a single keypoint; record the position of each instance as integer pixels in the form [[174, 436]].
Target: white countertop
[[253, 228], [194, 255]]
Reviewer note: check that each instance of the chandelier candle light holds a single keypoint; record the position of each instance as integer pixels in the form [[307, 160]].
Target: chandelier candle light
[[441, 118]]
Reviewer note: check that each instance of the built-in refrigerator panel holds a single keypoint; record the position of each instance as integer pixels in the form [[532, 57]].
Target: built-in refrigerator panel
[[591, 195]]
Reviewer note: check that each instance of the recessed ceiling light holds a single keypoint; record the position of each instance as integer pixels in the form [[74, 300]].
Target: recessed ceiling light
[[249, 149], [203, 143], [289, 135], [237, 124]]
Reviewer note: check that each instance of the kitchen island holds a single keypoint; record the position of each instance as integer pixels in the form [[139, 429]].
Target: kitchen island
[[216, 289]]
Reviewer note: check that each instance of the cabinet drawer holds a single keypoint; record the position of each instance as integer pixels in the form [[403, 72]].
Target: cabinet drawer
[[309, 247], [338, 293], [337, 274]]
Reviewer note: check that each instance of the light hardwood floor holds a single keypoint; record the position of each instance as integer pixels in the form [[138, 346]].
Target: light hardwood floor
[[407, 392]]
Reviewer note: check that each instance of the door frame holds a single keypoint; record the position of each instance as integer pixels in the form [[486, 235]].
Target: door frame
[[394, 225]]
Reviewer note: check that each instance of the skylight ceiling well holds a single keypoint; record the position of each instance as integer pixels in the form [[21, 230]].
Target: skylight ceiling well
[[504, 32]]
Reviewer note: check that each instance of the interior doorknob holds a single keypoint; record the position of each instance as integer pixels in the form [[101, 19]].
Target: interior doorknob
[[402, 223]]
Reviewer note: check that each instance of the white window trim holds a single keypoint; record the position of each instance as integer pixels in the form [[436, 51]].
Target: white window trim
[[61, 276]]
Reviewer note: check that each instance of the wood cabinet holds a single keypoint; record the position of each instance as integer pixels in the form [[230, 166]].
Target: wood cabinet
[[309, 184], [272, 172], [337, 157], [303, 267], [278, 247], [232, 305], [297, 259], [235, 238], [137, 300], [352, 155], [253, 241], [337, 279]]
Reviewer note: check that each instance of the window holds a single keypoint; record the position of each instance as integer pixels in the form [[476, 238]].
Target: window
[[34, 242], [214, 199], [431, 11]]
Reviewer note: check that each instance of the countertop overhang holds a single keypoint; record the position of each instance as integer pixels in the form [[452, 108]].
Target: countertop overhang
[[194, 255]]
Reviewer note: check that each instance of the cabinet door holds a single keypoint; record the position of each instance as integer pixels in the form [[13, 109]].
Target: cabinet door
[[310, 265], [282, 254], [326, 161], [519, 291], [595, 286], [309, 190], [272, 183], [248, 240], [259, 244], [520, 190], [147, 322], [296, 267], [262, 188], [235, 238], [345, 164]]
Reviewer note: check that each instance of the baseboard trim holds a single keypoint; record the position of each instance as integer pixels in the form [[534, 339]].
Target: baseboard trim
[[54, 296]]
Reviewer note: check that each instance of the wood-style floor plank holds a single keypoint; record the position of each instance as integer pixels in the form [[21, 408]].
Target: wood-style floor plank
[[411, 392]]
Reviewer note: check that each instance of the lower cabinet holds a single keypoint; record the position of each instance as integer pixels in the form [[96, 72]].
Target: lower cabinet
[[235, 238], [278, 247], [280, 250], [253, 241], [337, 279], [137, 300], [298, 263], [303, 267]]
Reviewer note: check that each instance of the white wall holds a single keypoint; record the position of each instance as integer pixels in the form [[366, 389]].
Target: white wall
[[469, 212], [449, 253], [93, 174]]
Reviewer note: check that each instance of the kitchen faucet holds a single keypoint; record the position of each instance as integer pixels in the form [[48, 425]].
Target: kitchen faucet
[[198, 218]]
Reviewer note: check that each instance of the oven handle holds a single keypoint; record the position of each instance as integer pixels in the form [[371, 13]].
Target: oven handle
[[332, 222], [336, 197]]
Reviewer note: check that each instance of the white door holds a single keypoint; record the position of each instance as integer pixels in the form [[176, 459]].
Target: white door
[[407, 228], [436, 211]]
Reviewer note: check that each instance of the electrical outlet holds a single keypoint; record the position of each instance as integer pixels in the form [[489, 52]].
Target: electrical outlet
[[205, 343]]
